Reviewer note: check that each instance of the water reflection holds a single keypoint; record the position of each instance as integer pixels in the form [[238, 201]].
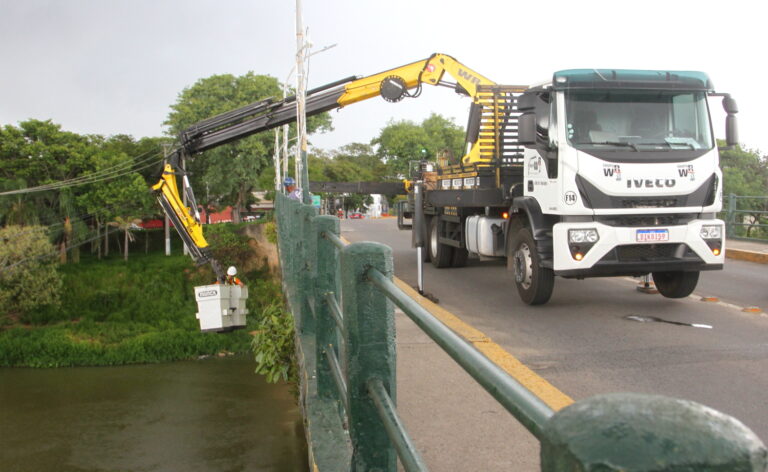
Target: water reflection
[[209, 415]]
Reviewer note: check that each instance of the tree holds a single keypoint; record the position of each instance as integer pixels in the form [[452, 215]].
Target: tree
[[28, 276], [403, 141], [126, 225], [745, 173], [228, 174], [37, 153], [125, 197]]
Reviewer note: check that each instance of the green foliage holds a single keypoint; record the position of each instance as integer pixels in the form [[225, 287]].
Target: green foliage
[[273, 343], [270, 231], [403, 141], [113, 312], [745, 173], [38, 153], [229, 247], [28, 275]]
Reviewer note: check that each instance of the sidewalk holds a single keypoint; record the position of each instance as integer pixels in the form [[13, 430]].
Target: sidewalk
[[752, 251], [454, 423]]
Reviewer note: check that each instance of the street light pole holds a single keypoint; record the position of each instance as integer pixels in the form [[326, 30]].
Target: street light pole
[[302, 174]]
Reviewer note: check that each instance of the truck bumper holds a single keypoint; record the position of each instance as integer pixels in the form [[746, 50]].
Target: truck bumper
[[619, 252]]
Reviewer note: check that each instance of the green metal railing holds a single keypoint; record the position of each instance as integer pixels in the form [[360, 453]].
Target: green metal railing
[[342, 298], [746, 217]]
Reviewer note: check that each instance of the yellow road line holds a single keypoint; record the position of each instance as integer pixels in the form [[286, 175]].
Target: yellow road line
[[547, 392]]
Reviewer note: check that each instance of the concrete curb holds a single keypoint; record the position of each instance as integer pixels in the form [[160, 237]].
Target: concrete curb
[[744, 255]]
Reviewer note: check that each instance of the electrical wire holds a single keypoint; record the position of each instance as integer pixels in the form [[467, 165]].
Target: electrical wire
[[106, 174], [117, 167]]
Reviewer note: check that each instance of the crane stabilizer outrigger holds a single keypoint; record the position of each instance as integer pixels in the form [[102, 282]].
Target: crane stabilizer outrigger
[[393, 85]]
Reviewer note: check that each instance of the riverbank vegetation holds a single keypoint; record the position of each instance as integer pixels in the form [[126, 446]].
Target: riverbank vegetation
[[113, 312]]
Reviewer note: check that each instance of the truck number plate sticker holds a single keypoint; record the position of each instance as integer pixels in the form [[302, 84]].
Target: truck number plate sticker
[[469, 182], [652, 235], [457, 183], [446, 184]]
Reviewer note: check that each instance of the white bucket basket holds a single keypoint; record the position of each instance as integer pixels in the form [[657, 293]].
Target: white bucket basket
[[221, 307]]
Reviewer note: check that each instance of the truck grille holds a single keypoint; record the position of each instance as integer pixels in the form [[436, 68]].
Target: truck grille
[[650, 252], [648, 202]]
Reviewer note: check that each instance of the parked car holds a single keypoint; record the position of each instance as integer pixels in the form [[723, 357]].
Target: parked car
[[356, 216]]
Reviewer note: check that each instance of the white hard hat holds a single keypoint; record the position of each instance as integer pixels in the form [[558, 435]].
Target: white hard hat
[[231, 270]]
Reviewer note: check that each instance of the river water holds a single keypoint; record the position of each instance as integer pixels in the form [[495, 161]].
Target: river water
[[207, 415]]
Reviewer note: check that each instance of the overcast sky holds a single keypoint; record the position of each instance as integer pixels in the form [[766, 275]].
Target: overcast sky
[[110, 66]]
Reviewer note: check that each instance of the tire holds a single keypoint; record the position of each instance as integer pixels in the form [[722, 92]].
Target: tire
[[460, 256], [675, 284], [427, 229], [534, 283], [441, 255]]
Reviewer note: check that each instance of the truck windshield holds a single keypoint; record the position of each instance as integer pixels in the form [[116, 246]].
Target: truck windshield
[[638, 120]]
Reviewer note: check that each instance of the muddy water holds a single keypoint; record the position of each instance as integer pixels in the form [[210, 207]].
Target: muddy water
[[209, 415]]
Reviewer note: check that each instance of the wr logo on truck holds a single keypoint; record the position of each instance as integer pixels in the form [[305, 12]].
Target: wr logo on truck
[[468, 76], [612, 170], [686, 171]]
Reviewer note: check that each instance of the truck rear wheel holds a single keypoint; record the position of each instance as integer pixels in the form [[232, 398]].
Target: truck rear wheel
[[441, 255], [534, 282], [675, 284], [460, 256], [427, 229]]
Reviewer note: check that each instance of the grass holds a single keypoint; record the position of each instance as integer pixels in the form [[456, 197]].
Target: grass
[[141, 311]]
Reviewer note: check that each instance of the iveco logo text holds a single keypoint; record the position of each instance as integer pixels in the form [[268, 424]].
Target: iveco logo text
[[651, 183]]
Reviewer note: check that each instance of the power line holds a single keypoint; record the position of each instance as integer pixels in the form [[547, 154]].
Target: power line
[[100, 176]]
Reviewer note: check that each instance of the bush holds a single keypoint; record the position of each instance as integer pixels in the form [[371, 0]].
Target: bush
[[229, 247], [28, 275]]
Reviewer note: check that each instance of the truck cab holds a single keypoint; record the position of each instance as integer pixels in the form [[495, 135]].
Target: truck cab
[[623, 167]]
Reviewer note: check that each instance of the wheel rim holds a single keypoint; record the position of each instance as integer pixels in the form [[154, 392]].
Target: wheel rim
[[523, 266], [433, 242]]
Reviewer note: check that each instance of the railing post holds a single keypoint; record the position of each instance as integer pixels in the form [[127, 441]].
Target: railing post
[[306, 259], [325, 281], [294, 257], [370, 352], [643, 433]]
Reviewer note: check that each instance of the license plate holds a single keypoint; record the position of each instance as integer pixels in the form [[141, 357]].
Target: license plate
[[652, 235]]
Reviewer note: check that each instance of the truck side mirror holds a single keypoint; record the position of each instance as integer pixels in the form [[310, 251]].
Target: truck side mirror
[[731, 126], [731, 131], [526, 128], [729, 105]]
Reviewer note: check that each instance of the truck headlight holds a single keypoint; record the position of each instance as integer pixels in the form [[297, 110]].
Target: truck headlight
[[711, 232], [579, 236], [580, 241]]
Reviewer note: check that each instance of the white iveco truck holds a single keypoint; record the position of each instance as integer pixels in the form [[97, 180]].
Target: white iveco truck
[[596, 173]]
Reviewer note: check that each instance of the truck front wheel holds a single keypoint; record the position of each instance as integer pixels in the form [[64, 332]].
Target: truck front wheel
[[675, 284], [534, 282]]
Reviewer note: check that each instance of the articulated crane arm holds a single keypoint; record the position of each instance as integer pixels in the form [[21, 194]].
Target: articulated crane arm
[[393, 85]]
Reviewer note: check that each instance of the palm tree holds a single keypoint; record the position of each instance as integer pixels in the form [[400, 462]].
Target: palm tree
[[127, 225]]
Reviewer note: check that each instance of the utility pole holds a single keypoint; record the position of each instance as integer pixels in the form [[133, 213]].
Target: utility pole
[[167, 222], [302, 174], [276, 162]]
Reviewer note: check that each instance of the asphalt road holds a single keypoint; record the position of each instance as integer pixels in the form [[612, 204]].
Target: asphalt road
[[582, 342]]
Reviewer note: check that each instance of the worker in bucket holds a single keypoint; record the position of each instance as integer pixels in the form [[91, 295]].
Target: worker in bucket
[[231, 279], [290, 188]]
